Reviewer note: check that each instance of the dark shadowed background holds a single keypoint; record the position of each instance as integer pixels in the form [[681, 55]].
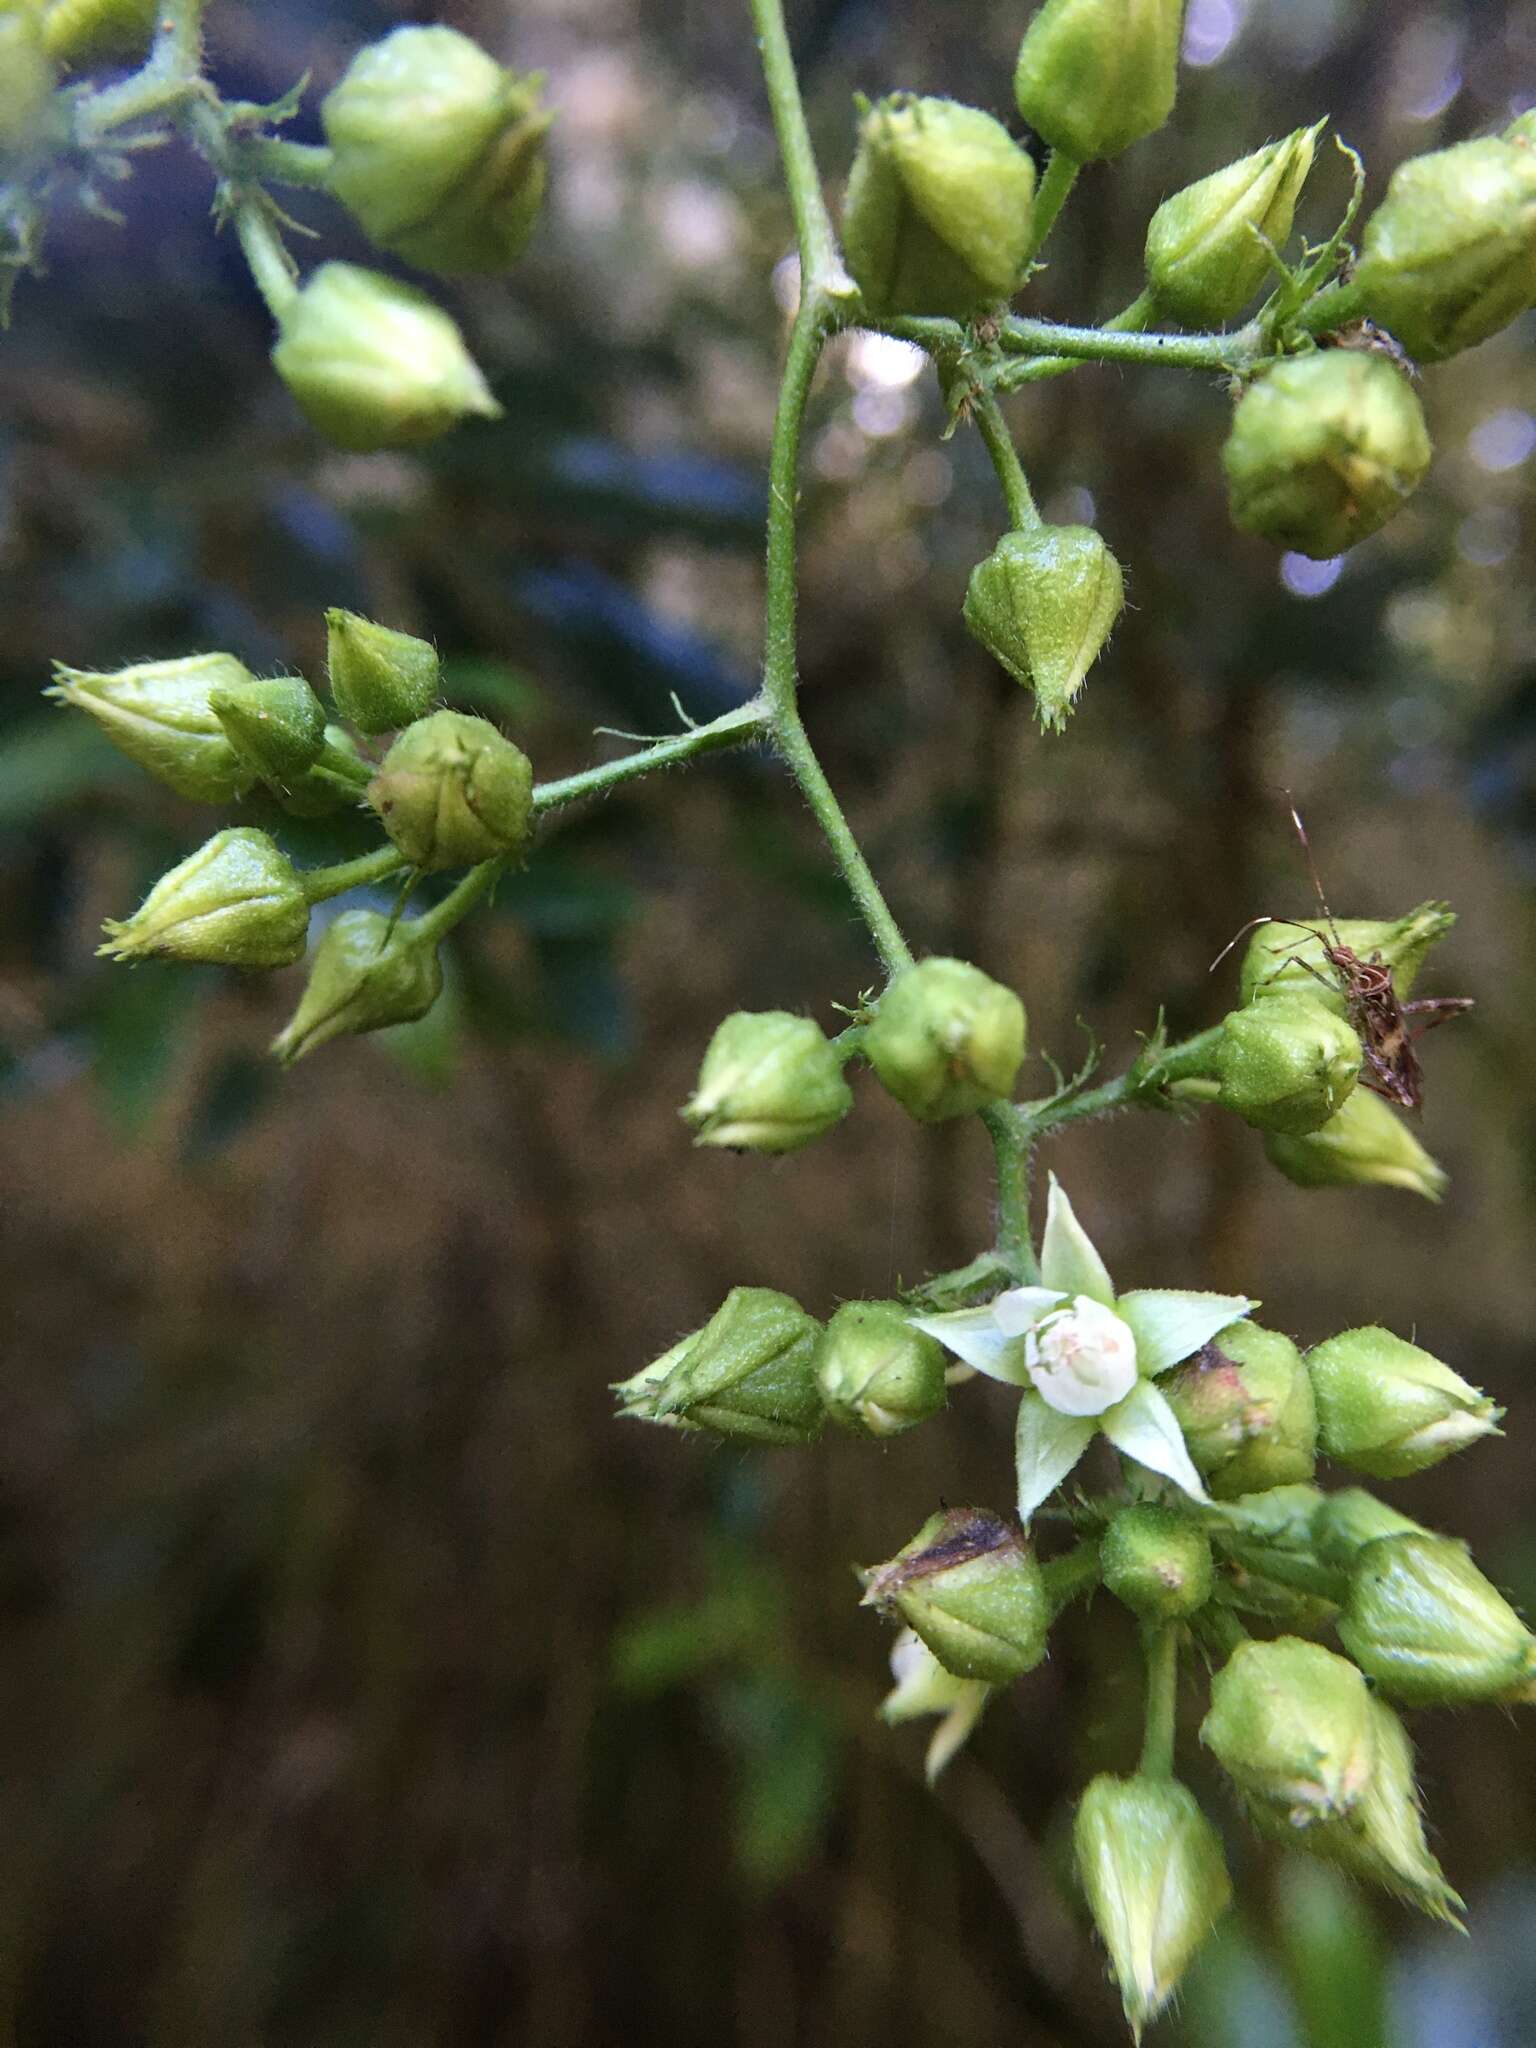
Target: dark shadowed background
[[364, 1684]]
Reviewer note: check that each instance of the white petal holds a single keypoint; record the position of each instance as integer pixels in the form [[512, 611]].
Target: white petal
[[1170, 1324], [1146, 1429], [1020, 1308], [1048, 1446], [972, 1334], [1068, 1260], [953, 1732]]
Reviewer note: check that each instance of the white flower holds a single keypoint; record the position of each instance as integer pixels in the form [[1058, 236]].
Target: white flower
[[1082, 1358], [1087, 1358]]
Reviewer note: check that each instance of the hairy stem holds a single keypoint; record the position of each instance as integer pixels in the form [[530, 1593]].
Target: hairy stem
[[1074, 1573], [436, 923], [819, 264], [1021, 370], [1161, 1646], [1060, 176], [1142, 1083], [287, 163], [170, 74], [320, 884], [266, 258], [1011, 1139], [736, 728], [993, 428]]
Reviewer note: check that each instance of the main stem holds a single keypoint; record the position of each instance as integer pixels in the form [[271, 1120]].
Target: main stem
[[819, 264], [1161, 1645]]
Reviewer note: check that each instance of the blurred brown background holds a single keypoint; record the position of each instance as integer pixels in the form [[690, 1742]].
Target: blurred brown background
[[363, 1682]]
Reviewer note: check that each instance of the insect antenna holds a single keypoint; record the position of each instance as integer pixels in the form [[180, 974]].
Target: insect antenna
[[1317, 880]]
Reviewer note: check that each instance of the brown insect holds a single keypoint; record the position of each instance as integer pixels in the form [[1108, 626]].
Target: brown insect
[[1377, 1015]]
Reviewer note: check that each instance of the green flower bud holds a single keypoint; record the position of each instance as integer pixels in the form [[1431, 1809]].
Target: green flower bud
[[1284, 959], [1152, 1868], [1043, 603], [1349, 1519], [945, 1039], [453, 792], [368, 972], [1429, 1629], [1366, 1145], [277, 728], [381, 680], [1382, 1840], [924, 1687], [1290, 1725], [1286, 1064], [1206, 246], [1244, 1403], [879, 1376], [1449, 257], [939, 209], [749, 1373], [972, 1590], [87, 31], [159, 714], [1094, 76], [437, 150], [1157, 1562], [374, 364], [1324, 449], [237, 902], [1390, 1409], [27, 79], [770, 1082]]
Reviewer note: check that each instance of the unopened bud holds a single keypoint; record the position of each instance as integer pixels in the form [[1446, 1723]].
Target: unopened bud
[[924, 1687], [1290, 1725], [277, 727], [381, 680], [878, 1375], [769, 1082], [1325, 448], [1449, 257], [1390, 1409], [1285, 959], [437, 150], [1367, 1144], [1286, 1064], [1157, 1562], [971, 1588], [88, 31], [374, 363], [1244, 1403], [237, 902], [749, 1373], [1429, 1629], [946, 1039], [1209, 246], [453, 792], [368, 972], [1043, 603], [1094, 76], [1152, 1868], [939, 209], [160, 714]]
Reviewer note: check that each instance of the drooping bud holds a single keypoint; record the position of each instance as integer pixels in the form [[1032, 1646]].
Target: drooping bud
[[939, 209], [1043, 603], [1286, 1064], [1449, 257], [375, 364], [237, 902], [277, 727], [878, 1375], [770, 1082], [1382, 1840], [88, 31], [1429, 1629], [924, 1687], [749, 1373], [1290, 1725], [1324, 449], [971, 1588], [437, 150], [453, 792], [368, 972], [1245, 1405], [1152, 1869], [945, 1039], [1157, 1561], [159, 714], [1285, 959], [1367, 1144], [1390, 1409], [1094, 76], [381, 680], [1208, 247]]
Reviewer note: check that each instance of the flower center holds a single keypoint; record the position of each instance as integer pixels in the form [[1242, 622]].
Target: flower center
[[1082, 1359]]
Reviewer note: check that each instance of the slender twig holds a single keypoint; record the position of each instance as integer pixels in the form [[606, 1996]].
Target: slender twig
[[169, 75], [993, 428], [267, 260], [1060, 176], [1011, 1139], [736, 728], [1161, 1646], [436, 923], [320, 884], [286, 163], [820, 267], [1143, 1083]]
